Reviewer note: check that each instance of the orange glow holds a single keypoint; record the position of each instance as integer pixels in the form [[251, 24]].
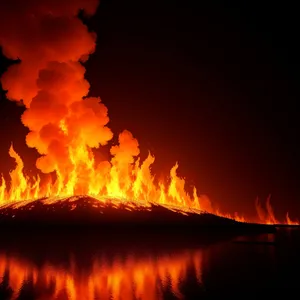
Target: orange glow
[[142, 278], [66, 126]]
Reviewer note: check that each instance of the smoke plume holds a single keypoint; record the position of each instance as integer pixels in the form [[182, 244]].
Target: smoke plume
[[51, 42]]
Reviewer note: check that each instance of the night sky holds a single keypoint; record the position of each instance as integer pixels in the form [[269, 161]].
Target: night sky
[[212, 86]]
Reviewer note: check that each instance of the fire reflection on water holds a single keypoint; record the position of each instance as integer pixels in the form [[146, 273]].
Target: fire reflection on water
[[145, 277]]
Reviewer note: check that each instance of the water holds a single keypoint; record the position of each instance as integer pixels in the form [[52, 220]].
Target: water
[[94, 267]]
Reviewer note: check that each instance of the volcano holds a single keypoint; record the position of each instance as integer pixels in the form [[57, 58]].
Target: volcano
[[88, 212]]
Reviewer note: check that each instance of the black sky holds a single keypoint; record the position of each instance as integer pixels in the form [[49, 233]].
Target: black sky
[[213, 86]]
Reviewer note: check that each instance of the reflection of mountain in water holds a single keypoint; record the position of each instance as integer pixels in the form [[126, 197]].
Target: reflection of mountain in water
[[146, 277]]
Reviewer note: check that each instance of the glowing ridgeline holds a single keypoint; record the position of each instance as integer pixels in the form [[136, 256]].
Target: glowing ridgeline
[[65, 125]]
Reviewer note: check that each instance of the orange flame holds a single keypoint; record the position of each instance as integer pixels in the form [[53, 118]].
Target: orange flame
[[117, 179], [267, 215], [142, 278], [133, 181], [289, 221]]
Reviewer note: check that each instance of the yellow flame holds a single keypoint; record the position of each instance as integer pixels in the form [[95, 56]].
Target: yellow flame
[[132, 182]]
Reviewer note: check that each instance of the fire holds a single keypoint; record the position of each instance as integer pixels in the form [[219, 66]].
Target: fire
[[130, 182], [66, 126], [116, 179], [267, 216], [142, 278], [289, 221]]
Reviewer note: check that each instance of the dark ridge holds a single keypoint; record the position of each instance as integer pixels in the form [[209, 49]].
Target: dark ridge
[[267, 243], [287, 226], [84, 213]]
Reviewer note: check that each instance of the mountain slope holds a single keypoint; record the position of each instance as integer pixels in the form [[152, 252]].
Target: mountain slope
[[83, 211]]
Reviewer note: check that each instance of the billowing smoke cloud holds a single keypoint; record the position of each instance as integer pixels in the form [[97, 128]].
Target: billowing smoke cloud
[[38, 32], [51, 43]]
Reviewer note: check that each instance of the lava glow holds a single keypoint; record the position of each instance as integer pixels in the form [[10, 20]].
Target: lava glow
[[66, 126], [143, 278]]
